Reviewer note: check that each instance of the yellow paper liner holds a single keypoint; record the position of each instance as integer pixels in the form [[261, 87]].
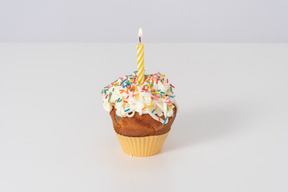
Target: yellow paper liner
[[142, 146]]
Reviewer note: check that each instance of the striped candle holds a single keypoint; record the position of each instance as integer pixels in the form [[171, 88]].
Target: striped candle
[[140, 59]]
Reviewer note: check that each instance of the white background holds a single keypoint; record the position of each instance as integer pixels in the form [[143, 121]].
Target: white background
[[230, 133], [161, 20]]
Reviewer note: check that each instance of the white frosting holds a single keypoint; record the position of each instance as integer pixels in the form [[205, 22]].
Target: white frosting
[[128, 97]]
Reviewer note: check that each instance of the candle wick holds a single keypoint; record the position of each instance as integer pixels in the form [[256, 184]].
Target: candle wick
[[140, 39]]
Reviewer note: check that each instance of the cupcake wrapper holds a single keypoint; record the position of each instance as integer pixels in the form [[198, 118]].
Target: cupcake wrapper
[[142, 146]]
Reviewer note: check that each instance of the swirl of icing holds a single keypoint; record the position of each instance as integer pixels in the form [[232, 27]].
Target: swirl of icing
[[154, 97]]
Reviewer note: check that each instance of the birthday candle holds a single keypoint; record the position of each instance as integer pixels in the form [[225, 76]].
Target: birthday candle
[[140, 59]]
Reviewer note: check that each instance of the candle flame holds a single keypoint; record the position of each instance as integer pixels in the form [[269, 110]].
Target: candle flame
[[140, 32]]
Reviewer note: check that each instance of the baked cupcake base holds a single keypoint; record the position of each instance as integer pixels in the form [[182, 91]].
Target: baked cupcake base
[[141, 135], [142, 146], [140, 125]]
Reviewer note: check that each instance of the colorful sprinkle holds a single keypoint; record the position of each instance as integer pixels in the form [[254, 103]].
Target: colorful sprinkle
[[165, 120], [123, 81], [109, 97]]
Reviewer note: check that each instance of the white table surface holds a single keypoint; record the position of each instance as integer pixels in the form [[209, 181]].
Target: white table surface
[[230, 133]]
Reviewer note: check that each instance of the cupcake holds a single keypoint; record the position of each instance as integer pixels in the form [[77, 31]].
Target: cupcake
[[142, 114]]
